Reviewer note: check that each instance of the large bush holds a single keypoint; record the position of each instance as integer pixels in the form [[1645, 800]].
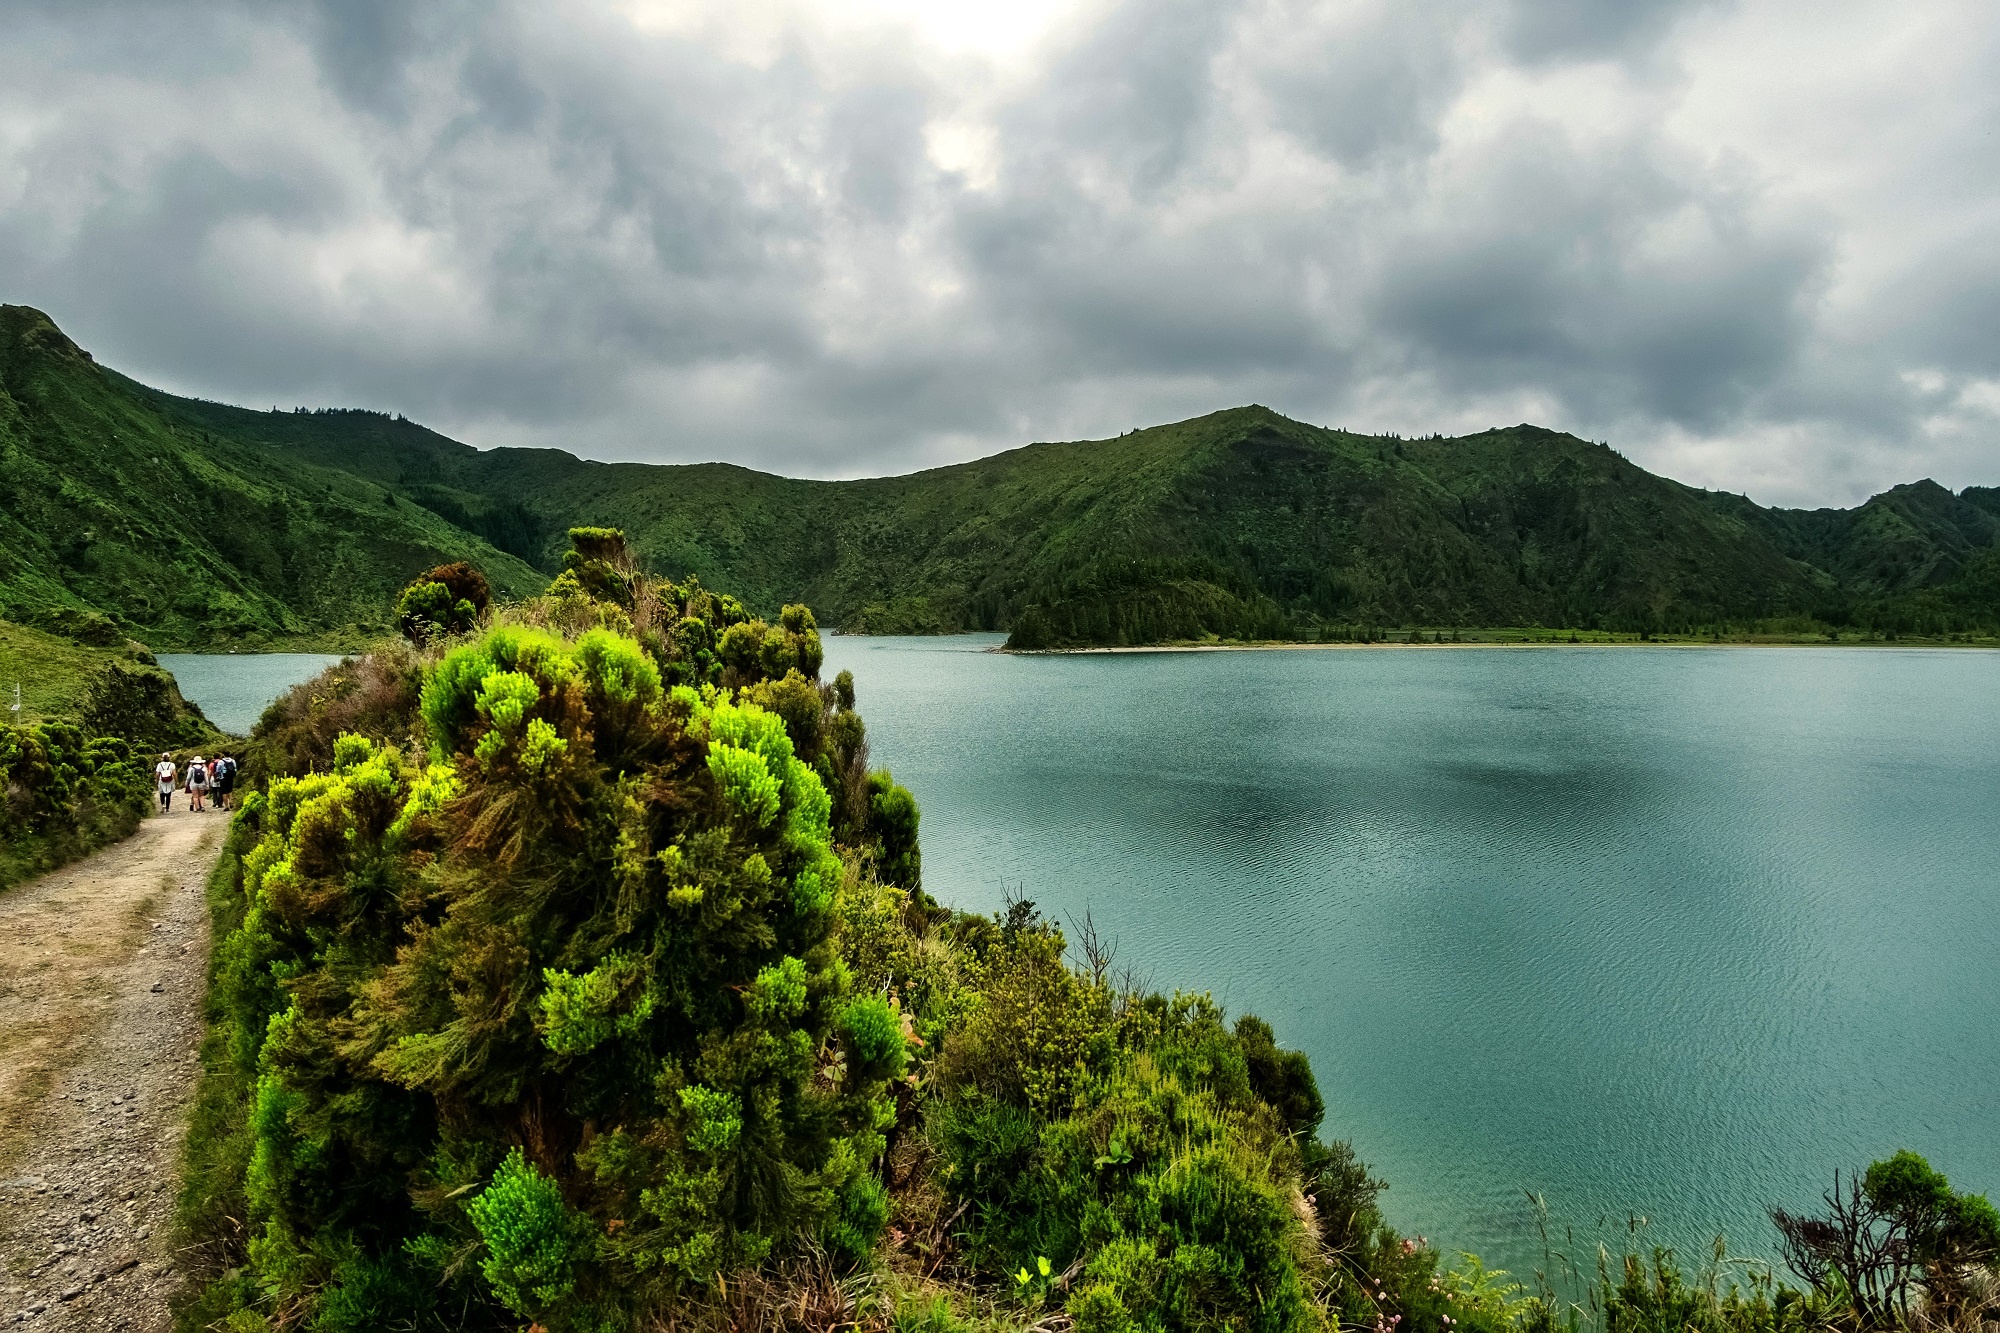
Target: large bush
[[543, 1019], [63, 792], [449, 599], [1128, 1143]]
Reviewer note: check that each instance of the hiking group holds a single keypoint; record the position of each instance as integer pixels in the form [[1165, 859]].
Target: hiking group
[[201, 779]]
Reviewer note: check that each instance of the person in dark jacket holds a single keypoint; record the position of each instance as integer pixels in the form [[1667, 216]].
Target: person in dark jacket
[[224, 785]]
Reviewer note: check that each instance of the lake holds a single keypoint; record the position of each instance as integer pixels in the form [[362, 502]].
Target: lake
[[1672, 932], [1662, 931], [233, 689]]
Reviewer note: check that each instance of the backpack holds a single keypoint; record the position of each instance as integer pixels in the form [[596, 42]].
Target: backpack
[[225, 769]]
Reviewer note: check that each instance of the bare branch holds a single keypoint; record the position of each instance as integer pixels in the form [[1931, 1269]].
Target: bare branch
[[1097, 951]]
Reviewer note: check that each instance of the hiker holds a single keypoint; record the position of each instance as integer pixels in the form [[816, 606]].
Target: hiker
[[163, 778], [225, 782], [196, 782]]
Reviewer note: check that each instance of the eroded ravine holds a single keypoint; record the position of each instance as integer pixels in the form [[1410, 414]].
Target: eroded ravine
[[102, 968]]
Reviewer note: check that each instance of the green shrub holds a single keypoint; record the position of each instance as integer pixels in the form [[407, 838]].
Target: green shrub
[[855, 1224], [534, 1243], [1282, 1078], [447, 600], [64, 793], [873, 1035], [544, 1018], [891, 832]]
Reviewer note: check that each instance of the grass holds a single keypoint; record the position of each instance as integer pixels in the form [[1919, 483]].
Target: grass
[[54, 673], [209, 1211]]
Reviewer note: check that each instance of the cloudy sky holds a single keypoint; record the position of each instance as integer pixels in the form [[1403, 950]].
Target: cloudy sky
[[1752, 244]]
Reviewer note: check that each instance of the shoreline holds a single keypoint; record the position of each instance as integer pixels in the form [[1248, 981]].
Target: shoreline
[[1280, 646]]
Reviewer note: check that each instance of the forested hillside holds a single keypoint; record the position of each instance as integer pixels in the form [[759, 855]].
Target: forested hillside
[[1241, 523], [196, 521], [113, 510]]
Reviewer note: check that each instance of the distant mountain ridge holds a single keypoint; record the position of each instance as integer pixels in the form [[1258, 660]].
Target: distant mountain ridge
[[1242, 523]]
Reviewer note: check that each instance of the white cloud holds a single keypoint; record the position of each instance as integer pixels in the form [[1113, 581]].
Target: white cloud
[[1751, 247]]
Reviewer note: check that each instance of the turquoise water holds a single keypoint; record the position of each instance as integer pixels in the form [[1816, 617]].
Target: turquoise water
[[233, 689], [1671, 932]]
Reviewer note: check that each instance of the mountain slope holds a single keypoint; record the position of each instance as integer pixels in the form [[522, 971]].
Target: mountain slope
[[1245, 523], [1915, 536], [1241, 523], [182, 535], [1243, 508]]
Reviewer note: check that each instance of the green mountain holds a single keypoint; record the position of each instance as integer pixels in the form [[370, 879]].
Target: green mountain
[[116, 507], [1241, 524]]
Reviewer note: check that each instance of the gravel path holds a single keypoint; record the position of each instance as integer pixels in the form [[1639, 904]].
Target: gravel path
[[103, 968]]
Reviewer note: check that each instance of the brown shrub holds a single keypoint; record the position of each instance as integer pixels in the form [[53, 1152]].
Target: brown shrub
[[373, 696]]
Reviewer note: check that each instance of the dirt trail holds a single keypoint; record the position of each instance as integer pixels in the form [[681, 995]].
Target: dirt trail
[[102, 973]]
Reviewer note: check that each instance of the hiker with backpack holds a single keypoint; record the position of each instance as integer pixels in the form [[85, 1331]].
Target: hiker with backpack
[[163, 779], [225, 782], [196, 782]]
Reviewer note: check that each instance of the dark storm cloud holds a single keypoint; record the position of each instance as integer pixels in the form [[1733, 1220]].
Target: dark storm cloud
[[1629, 287], [832, 249], [362, 47], [1541, 30], [1357, 82]]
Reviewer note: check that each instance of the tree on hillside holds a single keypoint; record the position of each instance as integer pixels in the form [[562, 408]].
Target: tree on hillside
[[449, 599], [1895, 1231]]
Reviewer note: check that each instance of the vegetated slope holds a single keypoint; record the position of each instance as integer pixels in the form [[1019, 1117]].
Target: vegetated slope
[[1239, 524], [1244, 523], [54, 673], [181, 534], [76, 760]]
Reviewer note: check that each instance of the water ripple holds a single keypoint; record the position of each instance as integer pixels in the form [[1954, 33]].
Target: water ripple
[[1671, 933]]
